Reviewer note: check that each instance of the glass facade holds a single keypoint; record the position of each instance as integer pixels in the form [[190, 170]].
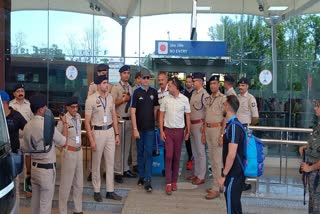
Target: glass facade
[[45, 42]]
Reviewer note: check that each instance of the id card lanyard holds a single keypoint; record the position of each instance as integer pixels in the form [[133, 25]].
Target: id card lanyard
[[75, 124], [104, 105]]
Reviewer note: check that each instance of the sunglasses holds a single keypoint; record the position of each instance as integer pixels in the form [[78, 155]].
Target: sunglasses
[[146, 78]]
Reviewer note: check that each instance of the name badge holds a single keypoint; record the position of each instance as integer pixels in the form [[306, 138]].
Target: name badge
[[105, 119], [77, 139]]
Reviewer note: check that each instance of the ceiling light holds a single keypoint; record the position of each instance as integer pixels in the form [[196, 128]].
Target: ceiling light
[[203, 8], [277, 8]]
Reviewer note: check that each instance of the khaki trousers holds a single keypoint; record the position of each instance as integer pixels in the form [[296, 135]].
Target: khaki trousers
[[71, 176], [42, 181], [105, 144], [133, 149], [215, 153], [198, 151], [118, 168]]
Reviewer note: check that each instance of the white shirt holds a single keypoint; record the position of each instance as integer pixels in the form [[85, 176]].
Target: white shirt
[[162, 94], [174, 109]]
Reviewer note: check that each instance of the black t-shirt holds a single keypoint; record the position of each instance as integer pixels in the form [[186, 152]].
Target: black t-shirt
[[233, 134], [186, 93], [144, 102], [15, 121]]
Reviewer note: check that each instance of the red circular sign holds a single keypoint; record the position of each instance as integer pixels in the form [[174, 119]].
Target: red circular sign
[[163, 47]]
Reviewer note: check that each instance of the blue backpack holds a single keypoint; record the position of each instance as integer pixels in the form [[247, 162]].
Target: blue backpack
[[252, 165]]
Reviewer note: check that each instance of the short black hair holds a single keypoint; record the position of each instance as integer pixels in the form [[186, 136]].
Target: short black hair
[[175, 81], [233, 102], [189, 76]]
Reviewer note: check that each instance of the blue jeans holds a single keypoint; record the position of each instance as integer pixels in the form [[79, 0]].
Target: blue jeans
[[144, 147]]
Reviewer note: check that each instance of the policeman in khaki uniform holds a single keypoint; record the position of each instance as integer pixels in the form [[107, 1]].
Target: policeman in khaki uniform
[[43, 167], [101, 114], [248, 110], [312, 164], [228, 85], [213, 131], [71, 158], [101, 70], [121, 94], [197, 117]]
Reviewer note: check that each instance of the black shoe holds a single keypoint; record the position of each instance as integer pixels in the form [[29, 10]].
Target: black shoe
[[78, 213], [89, 177], [113, 196], [104, 176], [118, 179], [246, 187], [97, 197], [141, 181], [129, 174], [147, 186], [135, 169]]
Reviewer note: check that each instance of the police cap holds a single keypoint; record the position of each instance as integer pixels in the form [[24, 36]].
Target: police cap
[[4, 96], [102, 67], [229, 78], [214, 78], [17, 86], [124, 68], [243, 80], [71, 101], [99, 79], [198, 75], [37, 101]]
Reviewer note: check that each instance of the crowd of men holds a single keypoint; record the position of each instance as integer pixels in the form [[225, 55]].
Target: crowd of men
[[188, 114]]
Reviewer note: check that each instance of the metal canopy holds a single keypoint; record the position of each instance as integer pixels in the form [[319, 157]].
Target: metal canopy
[[121, 10]]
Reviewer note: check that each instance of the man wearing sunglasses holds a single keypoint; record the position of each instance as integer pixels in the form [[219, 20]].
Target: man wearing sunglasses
[[72, 165], [197, 117], [144, 105]]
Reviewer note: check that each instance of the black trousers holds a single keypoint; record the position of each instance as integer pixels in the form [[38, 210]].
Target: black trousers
[[232, 194]]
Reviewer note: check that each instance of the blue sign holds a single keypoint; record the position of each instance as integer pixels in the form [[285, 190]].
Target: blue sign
[[191, 48]]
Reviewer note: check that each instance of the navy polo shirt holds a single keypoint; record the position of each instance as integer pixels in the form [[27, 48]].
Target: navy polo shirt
[[144, 102], [233, 134]]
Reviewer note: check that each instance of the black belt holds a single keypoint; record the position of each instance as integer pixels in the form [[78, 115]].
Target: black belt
[[44, 165], [126, 118], [106, 127]]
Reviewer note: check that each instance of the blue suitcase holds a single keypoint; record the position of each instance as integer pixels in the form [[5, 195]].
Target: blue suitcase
[[158, 155]]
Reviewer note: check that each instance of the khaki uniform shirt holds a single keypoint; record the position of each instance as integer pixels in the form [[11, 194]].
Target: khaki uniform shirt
[[92, 89], [117, 92], [197, 103], [174, 109], [231, 91], [247, 109], [99, 109], [33, 140], [23, 108], [74, 129], [214, 108]]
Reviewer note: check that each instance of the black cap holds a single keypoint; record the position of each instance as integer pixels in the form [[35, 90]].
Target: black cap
[[17, 86], [99, 79], [124, 68], [37, 101], [198, 75], [102, 67], [214, 78], [243, 80], [138, 74], [71, 101], [228, 78]]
